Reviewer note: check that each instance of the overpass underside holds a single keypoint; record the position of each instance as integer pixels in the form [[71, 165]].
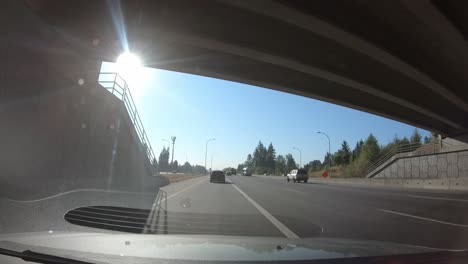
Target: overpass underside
[[404, 60]]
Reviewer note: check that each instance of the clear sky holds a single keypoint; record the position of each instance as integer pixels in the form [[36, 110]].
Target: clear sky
[[195, 108]]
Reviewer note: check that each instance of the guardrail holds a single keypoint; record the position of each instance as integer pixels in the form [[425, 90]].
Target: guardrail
[[429, 148], [117, 85]]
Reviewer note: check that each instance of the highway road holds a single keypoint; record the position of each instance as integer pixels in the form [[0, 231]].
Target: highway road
[[254, 206]]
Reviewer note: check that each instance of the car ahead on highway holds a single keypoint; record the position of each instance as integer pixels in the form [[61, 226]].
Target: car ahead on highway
[[217, 176], [298, 176]]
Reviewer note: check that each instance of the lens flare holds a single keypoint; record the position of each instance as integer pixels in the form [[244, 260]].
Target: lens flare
[[129, 61]]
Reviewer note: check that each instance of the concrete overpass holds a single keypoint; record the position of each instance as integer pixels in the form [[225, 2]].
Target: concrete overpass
[[404, 60]]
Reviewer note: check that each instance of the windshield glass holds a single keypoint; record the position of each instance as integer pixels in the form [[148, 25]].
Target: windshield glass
[[116, 114]]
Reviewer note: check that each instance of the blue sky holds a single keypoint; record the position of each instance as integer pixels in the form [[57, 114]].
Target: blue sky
[[195, 108]]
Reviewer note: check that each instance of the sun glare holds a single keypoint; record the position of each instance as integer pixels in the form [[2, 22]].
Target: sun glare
[[130, 67], [128, 64]]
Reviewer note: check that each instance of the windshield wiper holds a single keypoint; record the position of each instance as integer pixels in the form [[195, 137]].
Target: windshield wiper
[[32, 256]]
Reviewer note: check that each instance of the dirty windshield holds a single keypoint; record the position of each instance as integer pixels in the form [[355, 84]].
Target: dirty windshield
[[115, 114]]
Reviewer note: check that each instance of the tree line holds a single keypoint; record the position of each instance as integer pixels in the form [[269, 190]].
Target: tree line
[[265, 161], [165, 166], [354, 162]]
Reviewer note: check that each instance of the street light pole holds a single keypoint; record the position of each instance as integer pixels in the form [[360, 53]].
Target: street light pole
[[173, 142], [329, 152], [300, 156], [206, 150]]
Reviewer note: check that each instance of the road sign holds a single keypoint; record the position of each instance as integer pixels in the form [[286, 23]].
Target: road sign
[[325, 174]]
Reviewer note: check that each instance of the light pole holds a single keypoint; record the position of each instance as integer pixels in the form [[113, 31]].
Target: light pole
[[173, 142], [300, 156], [206, 150], [329, 152]]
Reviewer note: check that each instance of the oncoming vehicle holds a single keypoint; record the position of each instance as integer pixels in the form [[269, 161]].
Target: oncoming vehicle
[[298, 176], [217, 176], [247, 172]]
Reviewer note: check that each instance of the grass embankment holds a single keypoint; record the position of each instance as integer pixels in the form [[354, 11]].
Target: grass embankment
[[334, 172], [176, 177], [338, 172]]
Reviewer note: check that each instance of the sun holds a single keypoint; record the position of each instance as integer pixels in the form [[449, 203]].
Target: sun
[[129, 66], [129, 60]]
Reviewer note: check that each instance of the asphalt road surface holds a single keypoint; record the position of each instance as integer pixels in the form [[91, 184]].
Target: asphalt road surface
[[254, 206]]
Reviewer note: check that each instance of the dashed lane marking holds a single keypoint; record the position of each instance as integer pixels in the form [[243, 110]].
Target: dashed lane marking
[[281, 227]]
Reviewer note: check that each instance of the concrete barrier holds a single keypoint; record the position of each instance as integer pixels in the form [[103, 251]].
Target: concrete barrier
[[450, 162], [459, 184]]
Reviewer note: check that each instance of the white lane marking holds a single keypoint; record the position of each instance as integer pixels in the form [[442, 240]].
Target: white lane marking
[[423, 218], [78, 190], [433, 248], [150, 223], [282, 228], [438, 198], [292, 190], [183, 190]]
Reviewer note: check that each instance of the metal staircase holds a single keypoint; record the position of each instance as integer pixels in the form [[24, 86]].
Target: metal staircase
[[418, 149], [116, 85]]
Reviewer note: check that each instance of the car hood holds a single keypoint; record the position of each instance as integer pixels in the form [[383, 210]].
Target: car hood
[[199, 247]]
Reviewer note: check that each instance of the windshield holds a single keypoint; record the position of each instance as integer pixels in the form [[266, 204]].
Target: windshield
[[116, 114]]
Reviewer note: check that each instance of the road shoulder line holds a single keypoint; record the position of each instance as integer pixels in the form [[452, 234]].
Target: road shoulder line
[[437, 198], [422, 218], [281, 227], [185, 189]]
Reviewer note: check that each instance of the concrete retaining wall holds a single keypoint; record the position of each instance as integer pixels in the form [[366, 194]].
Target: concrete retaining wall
[[69, 139], [453, 164]]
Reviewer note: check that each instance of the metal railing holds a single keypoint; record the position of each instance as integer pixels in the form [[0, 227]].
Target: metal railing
[[429, 148], [116, 85]]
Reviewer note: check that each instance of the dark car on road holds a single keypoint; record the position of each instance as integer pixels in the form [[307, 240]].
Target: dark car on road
[[217, 176]]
